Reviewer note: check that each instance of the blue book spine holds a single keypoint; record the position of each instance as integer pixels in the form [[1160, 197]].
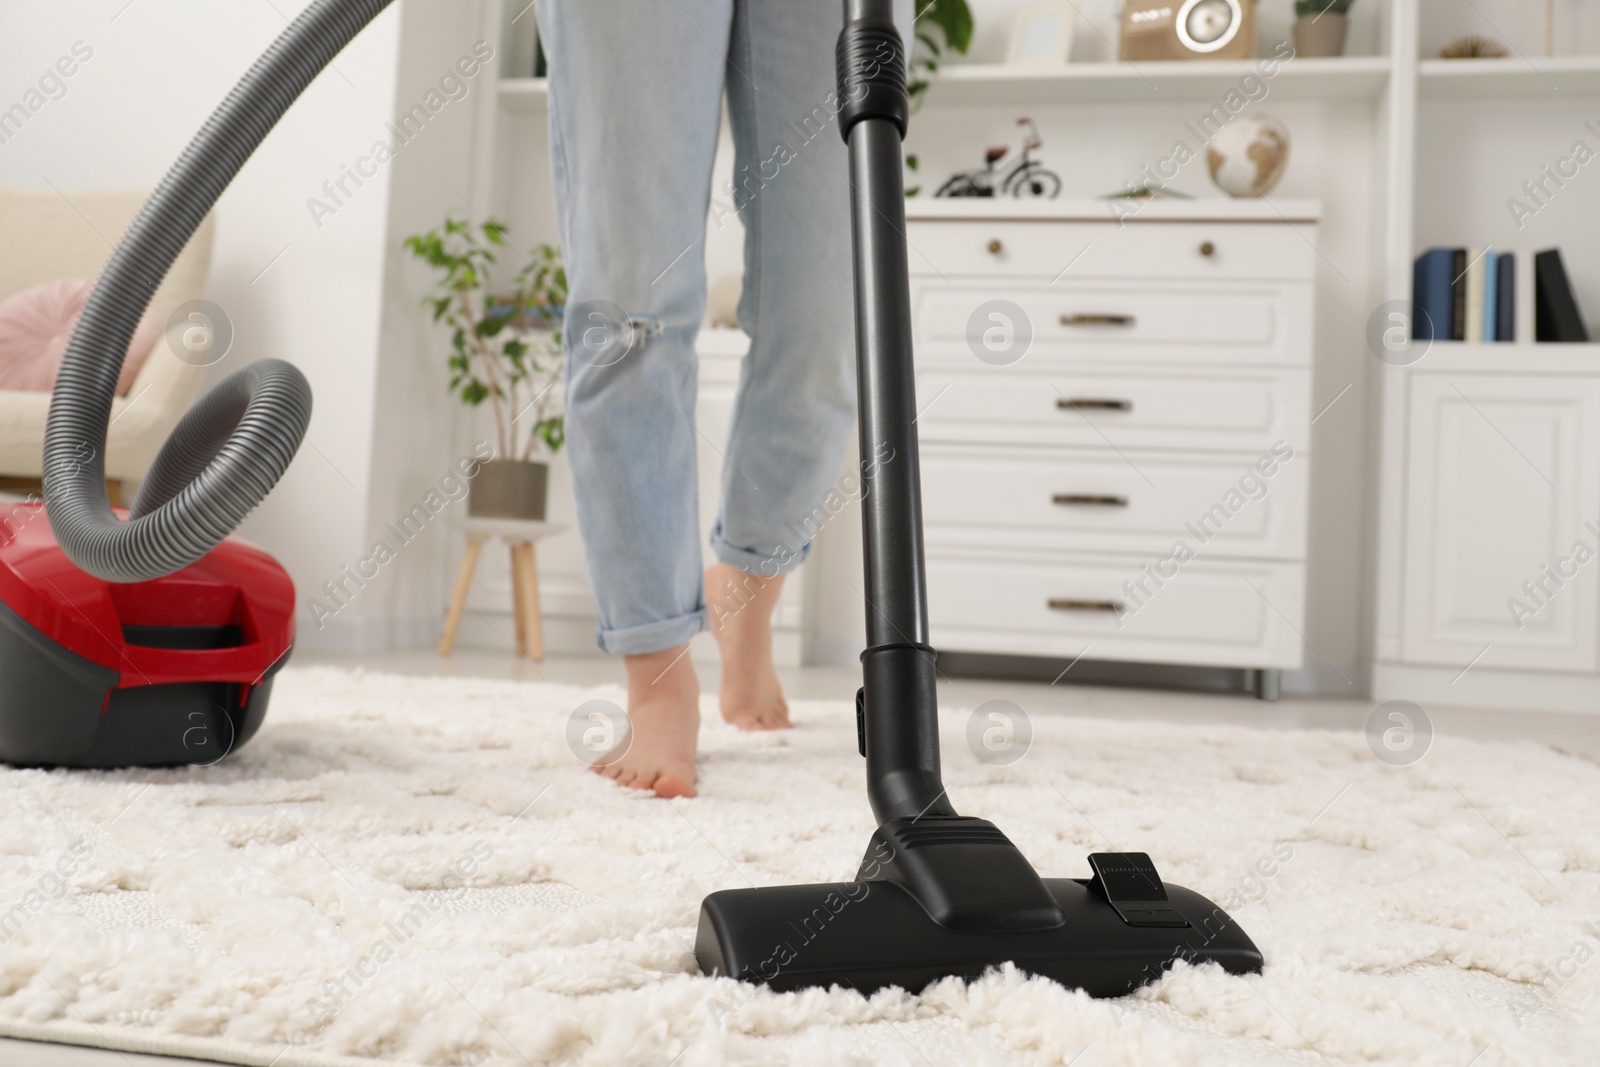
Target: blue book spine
[[1432, 299], [1490, 278], [1505, 322]]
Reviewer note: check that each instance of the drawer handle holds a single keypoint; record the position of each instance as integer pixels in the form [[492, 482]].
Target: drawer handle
[[995, 247], [1113, 606], [1068, 500], [1088, 319], [1085, 403], [1207, 249]]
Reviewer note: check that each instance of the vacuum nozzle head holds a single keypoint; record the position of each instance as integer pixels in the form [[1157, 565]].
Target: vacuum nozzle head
[[869, 935]]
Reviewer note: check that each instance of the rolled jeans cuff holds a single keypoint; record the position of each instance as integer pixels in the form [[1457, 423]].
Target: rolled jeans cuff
[[652, 636], [781, 560]]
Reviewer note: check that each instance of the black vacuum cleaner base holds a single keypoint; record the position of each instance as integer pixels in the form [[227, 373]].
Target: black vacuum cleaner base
[[871, 935]]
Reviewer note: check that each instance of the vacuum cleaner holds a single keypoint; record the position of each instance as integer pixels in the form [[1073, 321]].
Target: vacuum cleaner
[[148, 637], [110, 674], [938, 894]]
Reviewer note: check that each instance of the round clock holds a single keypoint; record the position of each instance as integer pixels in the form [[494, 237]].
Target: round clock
[[1207, 25]]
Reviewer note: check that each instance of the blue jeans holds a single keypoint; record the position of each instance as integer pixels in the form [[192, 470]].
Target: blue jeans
[[636, 93]]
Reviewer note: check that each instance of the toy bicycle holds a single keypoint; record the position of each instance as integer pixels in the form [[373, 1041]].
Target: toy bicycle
[[1027, 178]]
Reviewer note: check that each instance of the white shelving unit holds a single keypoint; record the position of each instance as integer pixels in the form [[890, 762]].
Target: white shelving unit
[[1486, 457]]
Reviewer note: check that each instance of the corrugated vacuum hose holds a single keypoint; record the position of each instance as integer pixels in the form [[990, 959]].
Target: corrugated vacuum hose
[[232, 447]]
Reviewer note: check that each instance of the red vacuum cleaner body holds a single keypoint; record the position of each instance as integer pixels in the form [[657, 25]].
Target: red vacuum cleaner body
[[173, 671]]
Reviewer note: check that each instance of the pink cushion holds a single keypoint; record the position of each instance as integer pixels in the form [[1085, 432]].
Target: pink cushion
[[37, 323]]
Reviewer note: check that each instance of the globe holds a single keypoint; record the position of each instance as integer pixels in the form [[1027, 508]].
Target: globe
[[1248, 156]]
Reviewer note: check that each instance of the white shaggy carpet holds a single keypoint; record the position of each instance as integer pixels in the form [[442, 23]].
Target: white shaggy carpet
[[1445, 913]]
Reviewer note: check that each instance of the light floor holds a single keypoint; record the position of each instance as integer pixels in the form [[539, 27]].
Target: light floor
[[1575, 734]]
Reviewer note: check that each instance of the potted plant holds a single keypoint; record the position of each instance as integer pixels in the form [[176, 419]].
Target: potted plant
[[505, 348], [1320, 27], [940, 25]]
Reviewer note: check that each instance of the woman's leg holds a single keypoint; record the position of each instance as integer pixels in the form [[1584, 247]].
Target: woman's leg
[[795, 408], [635, 102]]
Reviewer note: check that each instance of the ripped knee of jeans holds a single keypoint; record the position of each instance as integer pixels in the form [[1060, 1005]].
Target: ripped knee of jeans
[[602, 334], [641, 328]]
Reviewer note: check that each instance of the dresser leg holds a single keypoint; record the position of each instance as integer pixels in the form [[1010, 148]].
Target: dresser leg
[[1267, 684]]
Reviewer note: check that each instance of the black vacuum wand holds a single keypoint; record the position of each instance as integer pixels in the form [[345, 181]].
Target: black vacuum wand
[[938, 894]]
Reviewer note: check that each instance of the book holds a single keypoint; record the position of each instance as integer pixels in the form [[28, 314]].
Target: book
[[1505, 292], [1491, 301], [1431, 298], [1472, 330], [1556, 318], [1458, 294], [1526, 312]]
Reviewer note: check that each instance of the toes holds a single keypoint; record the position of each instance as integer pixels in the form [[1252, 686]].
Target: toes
[[671, 785], [622, 774]]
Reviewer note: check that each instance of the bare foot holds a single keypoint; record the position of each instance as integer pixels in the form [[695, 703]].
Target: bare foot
[[663, 724], [741, 607]]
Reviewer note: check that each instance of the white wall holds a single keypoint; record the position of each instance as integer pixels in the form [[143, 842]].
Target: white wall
[[418, 430]]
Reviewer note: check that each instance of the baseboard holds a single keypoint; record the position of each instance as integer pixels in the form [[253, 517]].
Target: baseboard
[[357, 635], [1321, 679], [497, 631], [1484, 687], [834, 651]]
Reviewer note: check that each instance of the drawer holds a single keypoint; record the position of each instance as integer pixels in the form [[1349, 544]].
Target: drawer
[[1142, 250], [1239, 410], [1113, 323], [1142, 503], [1209, 612]]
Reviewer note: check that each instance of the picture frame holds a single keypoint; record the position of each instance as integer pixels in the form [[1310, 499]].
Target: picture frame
[[1041, 36]]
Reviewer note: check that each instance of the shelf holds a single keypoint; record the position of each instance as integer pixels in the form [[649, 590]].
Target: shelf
[[525, 96], [1510, 357], [1350, 78], [1511, 78], [1079, 209]]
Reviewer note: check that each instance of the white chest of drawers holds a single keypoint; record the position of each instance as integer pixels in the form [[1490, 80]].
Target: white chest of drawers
[[1132, 482]]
